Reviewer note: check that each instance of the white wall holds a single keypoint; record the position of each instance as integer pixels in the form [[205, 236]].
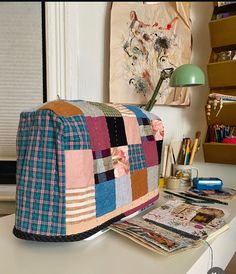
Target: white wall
[[93, 76]]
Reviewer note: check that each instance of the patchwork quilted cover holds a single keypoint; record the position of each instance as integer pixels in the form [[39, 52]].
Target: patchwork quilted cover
[[83, 165]]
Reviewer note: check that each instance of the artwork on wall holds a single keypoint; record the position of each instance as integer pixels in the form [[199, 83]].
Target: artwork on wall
[[145, 39]]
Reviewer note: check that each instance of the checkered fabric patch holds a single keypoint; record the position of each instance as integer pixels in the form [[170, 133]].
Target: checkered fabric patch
[[136, 157], [102, 165], [76, 135], [107, 110], [89, 109], [40, 163]]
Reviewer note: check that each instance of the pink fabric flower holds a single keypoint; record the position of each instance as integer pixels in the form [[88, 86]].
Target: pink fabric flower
[[120, 159], [158, 129]]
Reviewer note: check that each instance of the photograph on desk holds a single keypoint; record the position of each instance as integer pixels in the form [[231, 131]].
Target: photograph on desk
[[174, 226]]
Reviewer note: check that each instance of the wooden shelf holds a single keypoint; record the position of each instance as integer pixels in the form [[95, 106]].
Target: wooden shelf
[[222, 79], [223, 32], [222, 74], [219, 153]]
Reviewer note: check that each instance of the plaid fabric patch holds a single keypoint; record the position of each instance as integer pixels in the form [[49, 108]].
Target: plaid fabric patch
[[40, 203], [102, 165], [76, 134], [107, 110], [136, 157]]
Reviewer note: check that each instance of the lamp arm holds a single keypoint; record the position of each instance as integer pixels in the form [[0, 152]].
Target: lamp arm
[[166, 73], [153, 100]]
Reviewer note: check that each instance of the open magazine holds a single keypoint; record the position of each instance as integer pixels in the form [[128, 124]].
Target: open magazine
[[175, 226]]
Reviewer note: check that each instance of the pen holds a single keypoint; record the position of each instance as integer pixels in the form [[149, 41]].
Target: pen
[[204, 198]]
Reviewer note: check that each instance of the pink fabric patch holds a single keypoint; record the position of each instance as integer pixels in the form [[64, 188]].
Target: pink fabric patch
[[98, 131], [158, 129], [120, 160], [150, 152], [79, 168], [132, 130]]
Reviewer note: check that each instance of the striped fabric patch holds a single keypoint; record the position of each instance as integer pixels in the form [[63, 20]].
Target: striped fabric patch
[[123, 110], [80, 204]]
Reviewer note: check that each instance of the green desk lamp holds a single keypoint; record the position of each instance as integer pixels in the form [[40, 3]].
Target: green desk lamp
[[187, 75]]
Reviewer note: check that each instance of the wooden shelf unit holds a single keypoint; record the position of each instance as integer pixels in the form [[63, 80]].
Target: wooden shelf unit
[[222, 79]]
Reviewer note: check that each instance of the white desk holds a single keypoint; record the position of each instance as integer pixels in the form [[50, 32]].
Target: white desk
[[7, 199], [110, 253]]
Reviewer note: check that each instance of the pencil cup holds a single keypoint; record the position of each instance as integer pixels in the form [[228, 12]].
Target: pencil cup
[[185, 173]]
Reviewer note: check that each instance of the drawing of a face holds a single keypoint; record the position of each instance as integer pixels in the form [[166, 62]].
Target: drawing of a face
[[139, 85], [164, 62]]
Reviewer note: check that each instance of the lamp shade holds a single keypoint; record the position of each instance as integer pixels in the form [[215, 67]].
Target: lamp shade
[[187, 75]]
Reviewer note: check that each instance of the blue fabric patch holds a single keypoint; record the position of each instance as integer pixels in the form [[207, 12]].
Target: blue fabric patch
[[138, 112], [105, 197]]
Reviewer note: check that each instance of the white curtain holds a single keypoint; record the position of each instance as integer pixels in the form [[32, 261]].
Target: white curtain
[[21, 85]]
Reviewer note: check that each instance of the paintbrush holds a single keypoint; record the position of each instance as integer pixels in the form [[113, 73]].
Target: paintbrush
[[195, 147]]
